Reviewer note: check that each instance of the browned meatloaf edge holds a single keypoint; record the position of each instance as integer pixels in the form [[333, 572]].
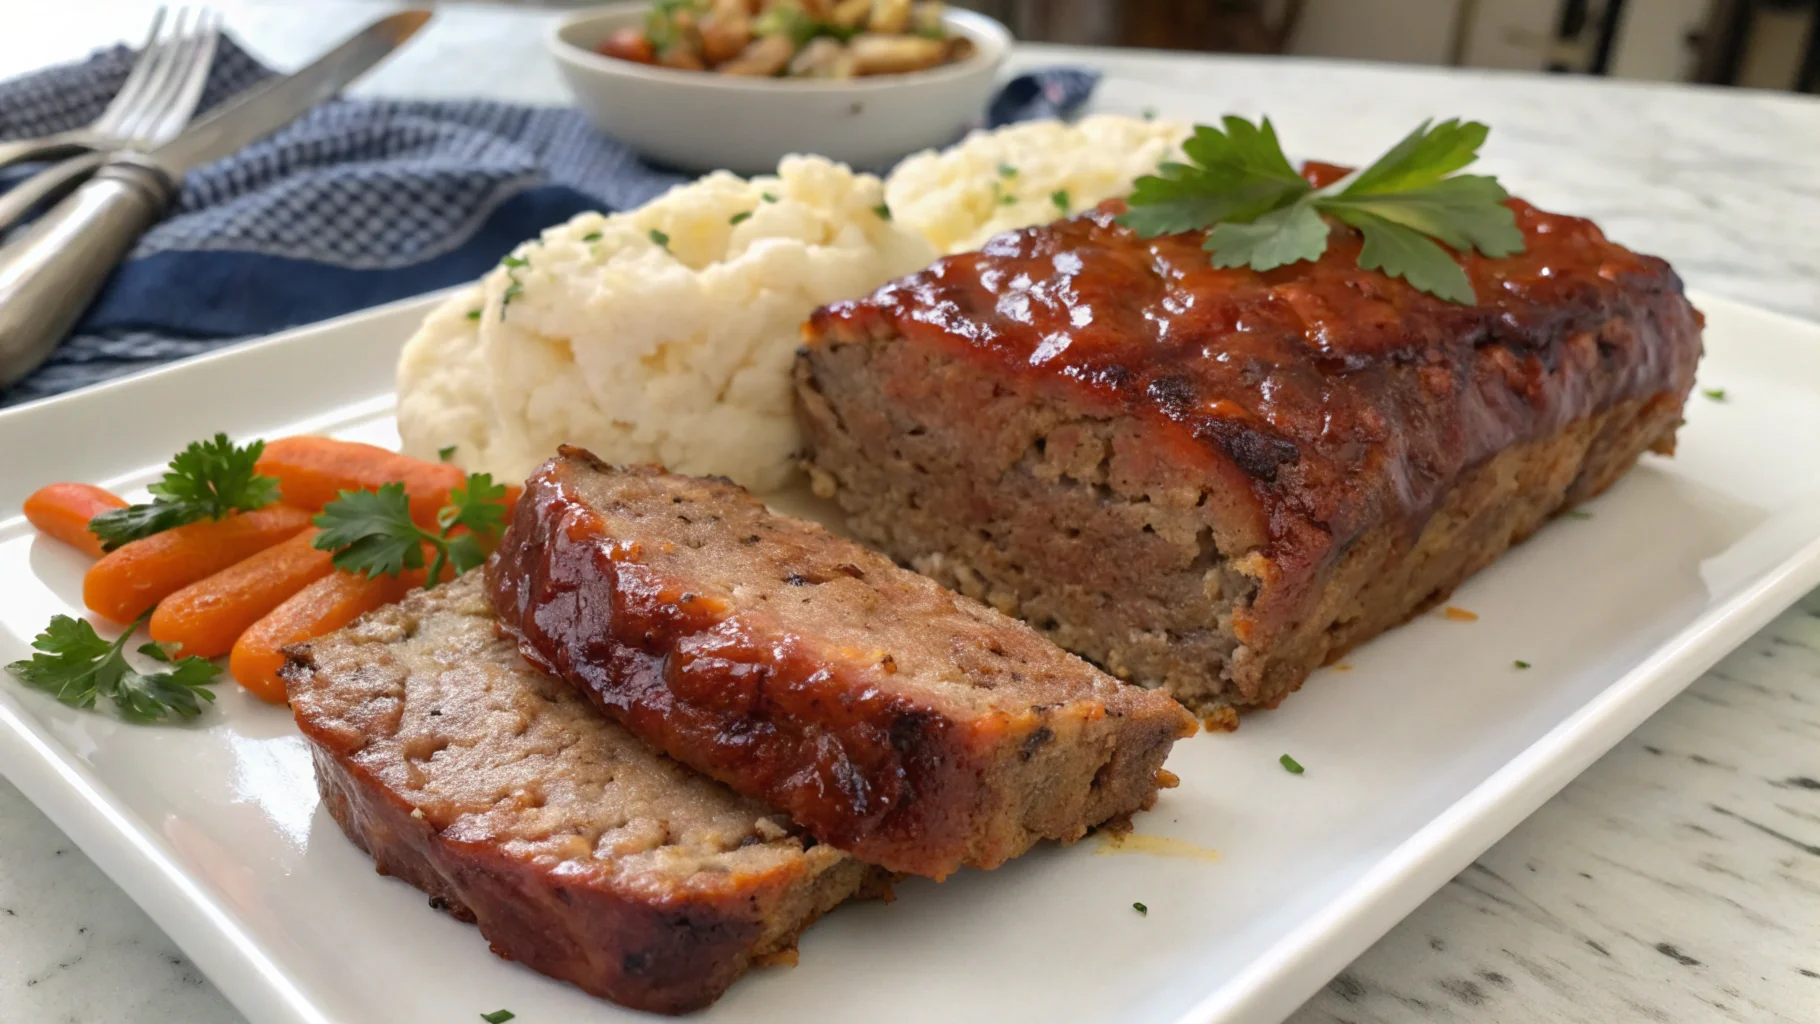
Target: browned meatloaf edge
[[1216, 480], [908, 725], [515, 805]]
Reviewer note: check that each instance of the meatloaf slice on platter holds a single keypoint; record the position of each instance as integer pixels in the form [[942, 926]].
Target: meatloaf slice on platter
[[577, 849], [911, 726], [1216, 480]]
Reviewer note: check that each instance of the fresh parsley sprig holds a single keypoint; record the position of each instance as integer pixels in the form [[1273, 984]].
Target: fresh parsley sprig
[[207, 480], [76, 666], [1264, 215], [372, 532]]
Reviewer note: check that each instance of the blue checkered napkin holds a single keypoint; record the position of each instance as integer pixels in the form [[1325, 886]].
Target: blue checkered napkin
[[357, 203]]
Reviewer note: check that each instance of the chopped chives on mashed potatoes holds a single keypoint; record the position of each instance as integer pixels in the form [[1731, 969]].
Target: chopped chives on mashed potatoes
[[1013, 177], [666, 334]]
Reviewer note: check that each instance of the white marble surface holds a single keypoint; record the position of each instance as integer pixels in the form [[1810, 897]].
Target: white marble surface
[[1678, 880]]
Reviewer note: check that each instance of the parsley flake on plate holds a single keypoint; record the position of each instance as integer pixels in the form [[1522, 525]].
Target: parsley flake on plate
[[1716, 394], [445, 454], [76, 666], [1140, 908], [498, 1016], [1290, 764], [372, 532], [206, 480], [1262, 214], [1521, 664]]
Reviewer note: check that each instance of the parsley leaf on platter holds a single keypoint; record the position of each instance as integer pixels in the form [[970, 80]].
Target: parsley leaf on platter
[[372, 532], [76, 666], [117, 526], [1263, 215], [147, 698], [478, 504], [206, 480]]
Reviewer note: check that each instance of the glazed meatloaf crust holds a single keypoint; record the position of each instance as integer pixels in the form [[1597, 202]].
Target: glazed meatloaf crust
[[912, 727], [577, 849], [1217, 479]]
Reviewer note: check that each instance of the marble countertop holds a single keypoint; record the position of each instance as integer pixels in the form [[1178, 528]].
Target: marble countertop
[[1677, 880]]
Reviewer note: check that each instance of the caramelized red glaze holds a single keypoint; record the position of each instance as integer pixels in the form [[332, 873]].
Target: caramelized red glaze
[[676, 670], [1345, 396], [888, 772]]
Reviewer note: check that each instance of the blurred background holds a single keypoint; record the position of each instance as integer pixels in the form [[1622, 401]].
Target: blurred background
[[1765, 44]]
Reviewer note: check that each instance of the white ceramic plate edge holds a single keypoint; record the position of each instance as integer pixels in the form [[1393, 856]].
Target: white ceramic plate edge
[[136, 860], [1270, 987], [1285, 975]]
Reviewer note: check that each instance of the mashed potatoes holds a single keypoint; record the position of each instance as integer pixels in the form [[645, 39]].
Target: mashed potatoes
[[660, 335], [1025, 174], [666, 334]]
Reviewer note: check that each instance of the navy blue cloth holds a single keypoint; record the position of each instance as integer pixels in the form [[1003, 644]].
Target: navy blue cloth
[[357, 203]]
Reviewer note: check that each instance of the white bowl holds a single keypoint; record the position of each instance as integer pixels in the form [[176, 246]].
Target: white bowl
[[700, 121]]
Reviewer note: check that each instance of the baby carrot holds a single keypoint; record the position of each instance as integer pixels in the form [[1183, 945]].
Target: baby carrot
[[63, 511], [311, 471], [139, 574], [317, 610], [207, 616]]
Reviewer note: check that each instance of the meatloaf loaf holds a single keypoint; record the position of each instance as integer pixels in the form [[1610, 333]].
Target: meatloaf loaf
[[1216, 480], [912, 727], [578, 850]]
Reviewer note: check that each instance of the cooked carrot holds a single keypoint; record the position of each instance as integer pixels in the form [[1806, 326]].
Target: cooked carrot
[[311, 471], [139, 574], [63, 511], [207, 616], [317, 610]]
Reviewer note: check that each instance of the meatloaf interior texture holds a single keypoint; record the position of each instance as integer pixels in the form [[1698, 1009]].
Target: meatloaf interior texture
[[910, 726], [1216, 480], [514, 804]]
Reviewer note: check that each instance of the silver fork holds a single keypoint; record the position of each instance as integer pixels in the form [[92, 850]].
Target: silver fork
[[153, 105]]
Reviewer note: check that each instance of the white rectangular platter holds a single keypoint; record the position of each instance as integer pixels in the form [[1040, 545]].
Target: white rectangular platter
[[1421, 751]]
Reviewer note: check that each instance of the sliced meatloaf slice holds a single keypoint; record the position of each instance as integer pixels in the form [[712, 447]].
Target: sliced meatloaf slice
[[578, 850], [910, 726], [1216, 479]]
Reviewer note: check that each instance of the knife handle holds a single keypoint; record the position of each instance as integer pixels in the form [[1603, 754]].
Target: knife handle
[[51, 274]]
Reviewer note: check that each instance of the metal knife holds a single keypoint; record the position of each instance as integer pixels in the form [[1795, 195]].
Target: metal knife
[[50, 274]]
